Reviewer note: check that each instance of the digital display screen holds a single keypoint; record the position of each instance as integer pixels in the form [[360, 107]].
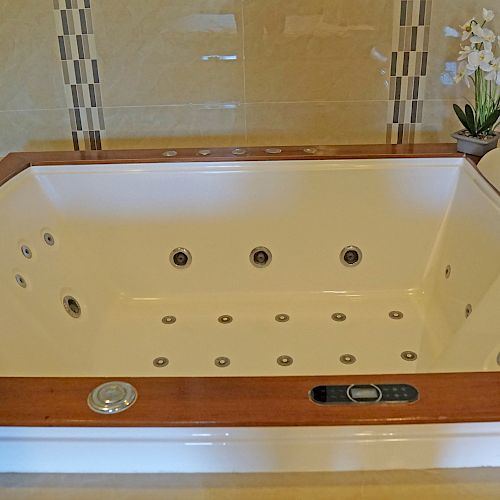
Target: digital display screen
[[364, 393]]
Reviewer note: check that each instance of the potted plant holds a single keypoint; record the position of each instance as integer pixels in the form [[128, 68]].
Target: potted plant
[[480, 69]]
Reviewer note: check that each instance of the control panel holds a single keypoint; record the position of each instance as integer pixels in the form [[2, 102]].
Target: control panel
[[364, 393]]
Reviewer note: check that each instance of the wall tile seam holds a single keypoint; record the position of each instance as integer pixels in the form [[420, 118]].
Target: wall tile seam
[[28, 110], [210, 106], [32, 110]]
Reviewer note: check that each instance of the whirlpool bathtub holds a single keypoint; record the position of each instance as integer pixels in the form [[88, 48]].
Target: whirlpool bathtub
[[248, 310]]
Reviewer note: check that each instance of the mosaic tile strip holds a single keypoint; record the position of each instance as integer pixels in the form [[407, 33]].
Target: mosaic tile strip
[[409, 59], [80, 69]]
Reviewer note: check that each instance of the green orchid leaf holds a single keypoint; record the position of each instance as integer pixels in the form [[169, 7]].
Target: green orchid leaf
[[490, 122], [471, 119], [461, 116]]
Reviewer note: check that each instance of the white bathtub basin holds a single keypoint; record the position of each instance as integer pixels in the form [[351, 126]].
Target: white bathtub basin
[[423, 298]]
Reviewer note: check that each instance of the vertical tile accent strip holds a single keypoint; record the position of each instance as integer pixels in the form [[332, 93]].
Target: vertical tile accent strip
[[410, 48], [80, 71]]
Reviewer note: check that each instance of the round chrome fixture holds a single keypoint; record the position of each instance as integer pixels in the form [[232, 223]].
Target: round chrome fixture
[[180, 258], [168, 320], [21, 281], [396, 315], [112, 397], [284, 360], [447, 271], [204, 152], [498, 359], [310, 151], [49, 239], [170, 153], [261, 257], [347, 359], [26, 251], [350, 256], [222, 362], [225, 319], [239, 151], [273, 151], [409, 355], [339, 317], [72, 307], [468, 310], [160, 362], [282, 318]]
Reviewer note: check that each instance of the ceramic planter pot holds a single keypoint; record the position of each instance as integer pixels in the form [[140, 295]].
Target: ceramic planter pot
[[473, 145]]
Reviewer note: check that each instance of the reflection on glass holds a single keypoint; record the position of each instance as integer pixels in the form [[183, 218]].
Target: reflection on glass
[[376, 54], [450, 70], [317, 25], [219, 57], [450, 32]]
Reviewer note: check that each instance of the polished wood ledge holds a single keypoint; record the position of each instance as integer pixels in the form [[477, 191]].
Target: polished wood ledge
[[14, 163], [249, 401]]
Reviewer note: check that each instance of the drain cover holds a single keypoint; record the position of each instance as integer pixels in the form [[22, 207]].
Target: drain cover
[[112, 397]]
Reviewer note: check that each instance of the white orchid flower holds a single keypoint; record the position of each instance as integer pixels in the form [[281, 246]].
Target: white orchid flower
[[494, 76], [477, 30], [488, 46], [494, 72], [488, 15], [477, 58], [463, 72], [479, 66], [488, 35], [467, 29], [483, 38], [486, 67], [482, 35], [477, 35], [460, 74], [464, 53]]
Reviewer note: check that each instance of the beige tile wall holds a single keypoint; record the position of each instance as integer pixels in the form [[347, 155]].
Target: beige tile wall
[[224, 72], [303, 51], [155, 53], [33, 113]]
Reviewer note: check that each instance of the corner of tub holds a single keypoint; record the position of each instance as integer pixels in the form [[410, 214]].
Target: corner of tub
[[11, 165], [489, 167]]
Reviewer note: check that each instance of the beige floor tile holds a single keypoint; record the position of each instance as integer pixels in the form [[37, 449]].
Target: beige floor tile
[[460, 484]]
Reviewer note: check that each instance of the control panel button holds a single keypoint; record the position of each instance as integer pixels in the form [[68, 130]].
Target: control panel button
[[364, 393]]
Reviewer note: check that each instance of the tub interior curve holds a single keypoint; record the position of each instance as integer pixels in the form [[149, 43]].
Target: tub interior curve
[[427, 281]]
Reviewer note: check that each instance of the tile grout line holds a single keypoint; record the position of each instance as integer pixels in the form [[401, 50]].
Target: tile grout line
[[79, 64], [409, 68], [222, 105]]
